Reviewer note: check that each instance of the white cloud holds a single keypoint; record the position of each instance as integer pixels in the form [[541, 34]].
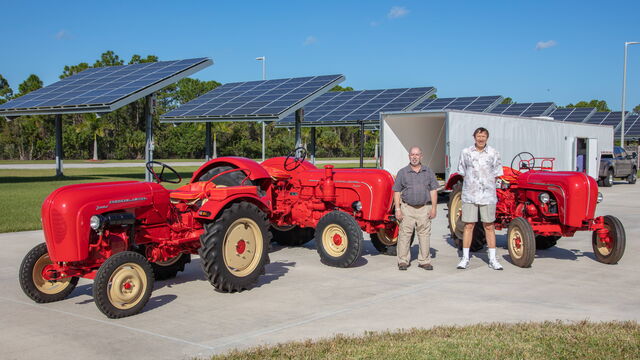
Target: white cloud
[[374, 23], [397, 12], [309, 40], [545, 44], [63, 34]]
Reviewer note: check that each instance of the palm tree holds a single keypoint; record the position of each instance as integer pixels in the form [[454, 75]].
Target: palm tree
[[96, 126]]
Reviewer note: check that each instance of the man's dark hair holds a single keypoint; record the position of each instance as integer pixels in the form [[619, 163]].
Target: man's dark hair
[[480, 130]]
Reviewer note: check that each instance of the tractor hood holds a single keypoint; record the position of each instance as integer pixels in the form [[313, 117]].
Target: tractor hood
[[67, 210], [575, 192]]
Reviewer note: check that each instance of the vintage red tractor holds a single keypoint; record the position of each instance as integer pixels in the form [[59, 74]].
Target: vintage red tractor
[[538, 206], [125, 234]]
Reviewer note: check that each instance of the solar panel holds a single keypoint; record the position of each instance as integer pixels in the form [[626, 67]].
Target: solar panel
[[524, 109], [254, 100], [632, 125], [606, 118], [472, 103], [102, 89], [352, 107]]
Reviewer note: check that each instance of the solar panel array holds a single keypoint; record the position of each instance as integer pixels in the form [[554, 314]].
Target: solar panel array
[[471, 103], [254, 100], [103, 88], [632, 125], [524, 109], [352, 107], [612, 118], [573, 114]]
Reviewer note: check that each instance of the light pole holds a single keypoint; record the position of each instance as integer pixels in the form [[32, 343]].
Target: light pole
[[624, 89], [264, 77]]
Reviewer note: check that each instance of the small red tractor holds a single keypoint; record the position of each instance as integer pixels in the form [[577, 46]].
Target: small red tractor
[[538, 206], [126, 234]]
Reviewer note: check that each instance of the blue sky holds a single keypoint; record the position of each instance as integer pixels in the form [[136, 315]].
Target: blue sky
[[561, 51]]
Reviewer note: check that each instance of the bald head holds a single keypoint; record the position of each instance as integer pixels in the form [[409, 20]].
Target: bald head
[[415, 156]]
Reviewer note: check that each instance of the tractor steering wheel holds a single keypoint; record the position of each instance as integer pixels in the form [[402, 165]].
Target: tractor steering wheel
[[160, 177], [524, 158], [298, 155]]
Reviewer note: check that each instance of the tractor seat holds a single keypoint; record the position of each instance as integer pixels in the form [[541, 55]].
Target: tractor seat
[[192, 192], [277, 174]]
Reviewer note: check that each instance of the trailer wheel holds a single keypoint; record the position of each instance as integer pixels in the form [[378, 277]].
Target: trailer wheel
[[610, 249], [521, 241], [123, 285], [456, 225], [631, 179], [339, 239], [163, 270], [607, 181], [545, 242], [34, 285], [295, 236], [234, 247]]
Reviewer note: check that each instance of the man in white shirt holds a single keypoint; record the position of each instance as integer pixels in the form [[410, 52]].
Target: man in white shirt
[[480, 166]]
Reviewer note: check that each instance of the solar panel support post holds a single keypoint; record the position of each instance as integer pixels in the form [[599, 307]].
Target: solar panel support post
[[361, 144], [313, 145], [59, 152], [263, 136], [148, 150], [299, 119], [207, 145]]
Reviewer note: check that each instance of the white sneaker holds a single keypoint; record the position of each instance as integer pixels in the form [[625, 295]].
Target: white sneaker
[[494, 264], [464, 263]]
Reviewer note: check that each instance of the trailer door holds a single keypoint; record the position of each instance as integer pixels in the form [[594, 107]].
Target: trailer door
[[593, 158]]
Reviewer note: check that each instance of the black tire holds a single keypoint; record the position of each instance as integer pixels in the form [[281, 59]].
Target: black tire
[[170, 268], [631, 179], [545, 242], [123, 285], [296, 236], [521, 242], [613, 253], [331, 248], [456, 225], [239, 272], [34, 285], [607, 181]]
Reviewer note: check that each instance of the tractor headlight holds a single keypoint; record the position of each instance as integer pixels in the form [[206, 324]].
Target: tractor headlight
[[600, 197], [544, 197], [357, 206], [96, 222]]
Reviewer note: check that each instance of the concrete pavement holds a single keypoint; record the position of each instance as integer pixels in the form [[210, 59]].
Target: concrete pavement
[[300, 298]]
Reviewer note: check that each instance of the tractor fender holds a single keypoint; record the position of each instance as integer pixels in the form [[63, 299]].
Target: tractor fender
[[211, 209], [254, 169], [453, 180]]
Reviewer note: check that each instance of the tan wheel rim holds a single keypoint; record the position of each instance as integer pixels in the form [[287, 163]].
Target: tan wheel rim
[[334, 240], [515, 242], [169, 262], [455, 211], [43, 285], [242, 247], [603, 249], [127, 286], [385, 238]]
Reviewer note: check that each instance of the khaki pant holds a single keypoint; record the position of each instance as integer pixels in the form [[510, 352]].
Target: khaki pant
[[417, 219]]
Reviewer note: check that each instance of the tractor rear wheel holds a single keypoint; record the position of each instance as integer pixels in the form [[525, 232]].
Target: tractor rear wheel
[[295, 236], [123, 285], [234, 247], [339, 239], [521, 242], [607, 181], [163, 270], [33, 283], [545, 242], [611, 249], [456, 225]]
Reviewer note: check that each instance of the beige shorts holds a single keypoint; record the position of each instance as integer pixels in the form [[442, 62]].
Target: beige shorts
[[470, 213]]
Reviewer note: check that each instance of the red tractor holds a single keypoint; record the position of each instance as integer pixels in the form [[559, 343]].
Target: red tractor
[[126, 234], [538, 206]]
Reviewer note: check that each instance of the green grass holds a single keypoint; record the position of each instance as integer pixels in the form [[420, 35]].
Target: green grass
[[548, 340]]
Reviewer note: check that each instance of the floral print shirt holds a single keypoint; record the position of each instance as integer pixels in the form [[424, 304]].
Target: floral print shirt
[[480, 169]]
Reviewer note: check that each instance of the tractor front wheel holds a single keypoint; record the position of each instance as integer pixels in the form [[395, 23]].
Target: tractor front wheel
[[163, 270], [610, 249], [522, 242], [234, 247], [123, 285], [295, 236], [339, 239], [35, 285]]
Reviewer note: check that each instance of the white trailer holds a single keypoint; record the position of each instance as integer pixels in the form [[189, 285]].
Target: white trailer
[[443, 134]]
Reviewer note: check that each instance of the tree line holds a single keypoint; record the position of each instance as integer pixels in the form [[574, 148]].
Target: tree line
[[121, 133]]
